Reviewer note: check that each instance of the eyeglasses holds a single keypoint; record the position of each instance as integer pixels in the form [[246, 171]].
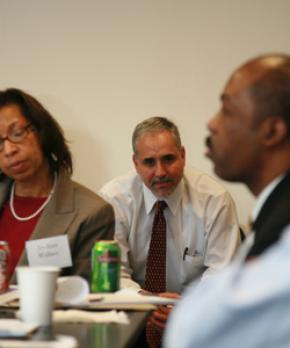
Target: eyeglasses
[[15, 136]]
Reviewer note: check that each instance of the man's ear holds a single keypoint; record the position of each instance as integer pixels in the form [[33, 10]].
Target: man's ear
[[275, 131], [134, 159], [183, 153]]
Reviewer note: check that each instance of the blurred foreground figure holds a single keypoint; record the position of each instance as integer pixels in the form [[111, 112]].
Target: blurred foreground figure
[[247, 304], [244, 306], [38, 199]]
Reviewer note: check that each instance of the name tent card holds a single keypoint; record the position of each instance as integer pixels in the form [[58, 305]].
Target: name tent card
[[53, 251]]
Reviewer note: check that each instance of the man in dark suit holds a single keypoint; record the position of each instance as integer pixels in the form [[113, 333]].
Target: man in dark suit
[[249, 142]]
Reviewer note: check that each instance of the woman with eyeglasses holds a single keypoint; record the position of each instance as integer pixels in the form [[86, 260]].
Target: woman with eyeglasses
[[38, 199]]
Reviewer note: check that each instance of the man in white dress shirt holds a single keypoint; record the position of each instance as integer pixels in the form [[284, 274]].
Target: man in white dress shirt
[[249, 142], [202, 228]]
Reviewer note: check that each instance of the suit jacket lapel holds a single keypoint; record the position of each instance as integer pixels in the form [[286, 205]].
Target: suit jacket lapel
[[57, 215], [5, 185], [276, 198], [273, 218]]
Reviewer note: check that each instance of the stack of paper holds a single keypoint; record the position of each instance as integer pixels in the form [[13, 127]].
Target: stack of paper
[[15, 328], [74, 292], [126, 299], [61, 341]]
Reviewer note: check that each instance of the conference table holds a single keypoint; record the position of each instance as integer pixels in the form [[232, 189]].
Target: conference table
[[90, 335], [106, 335]]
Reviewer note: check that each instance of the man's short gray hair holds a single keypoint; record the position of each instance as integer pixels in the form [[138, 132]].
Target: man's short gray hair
[[153, 124]]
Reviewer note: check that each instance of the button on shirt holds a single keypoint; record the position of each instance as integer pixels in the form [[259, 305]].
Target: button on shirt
[[202, 228]]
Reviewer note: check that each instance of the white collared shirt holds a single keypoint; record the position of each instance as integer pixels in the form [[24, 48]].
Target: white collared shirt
[[200, 218], [261, 199]]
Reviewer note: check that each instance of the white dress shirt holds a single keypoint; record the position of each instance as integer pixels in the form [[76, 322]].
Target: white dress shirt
[[261, 199], [244, 306], [202, 228], [263, 196]]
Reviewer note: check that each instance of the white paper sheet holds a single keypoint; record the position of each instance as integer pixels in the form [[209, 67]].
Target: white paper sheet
[[15, 328], [9, 296], [129, 296], [52, 251], [71, 290], [60, 342], [79, 316]]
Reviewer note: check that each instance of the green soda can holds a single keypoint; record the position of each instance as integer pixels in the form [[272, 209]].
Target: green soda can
[[105, 266]]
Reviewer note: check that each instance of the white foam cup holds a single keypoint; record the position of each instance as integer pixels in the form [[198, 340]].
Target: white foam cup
[[37, 286]]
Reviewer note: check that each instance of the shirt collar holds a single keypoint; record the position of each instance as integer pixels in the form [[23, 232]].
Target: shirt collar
[[261, 199], [172, 200]]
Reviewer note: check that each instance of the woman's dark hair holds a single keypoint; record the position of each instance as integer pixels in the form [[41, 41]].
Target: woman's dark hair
[[50, 134]]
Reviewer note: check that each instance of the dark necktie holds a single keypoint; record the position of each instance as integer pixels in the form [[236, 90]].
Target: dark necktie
[[155, 276]]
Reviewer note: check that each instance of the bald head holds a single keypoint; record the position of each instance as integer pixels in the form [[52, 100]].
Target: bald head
[[268, 62], [268, 79]]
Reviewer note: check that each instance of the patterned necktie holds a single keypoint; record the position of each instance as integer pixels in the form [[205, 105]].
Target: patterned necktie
[[155, 277]]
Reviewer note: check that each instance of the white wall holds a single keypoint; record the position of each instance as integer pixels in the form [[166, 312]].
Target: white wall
[[101, 67]]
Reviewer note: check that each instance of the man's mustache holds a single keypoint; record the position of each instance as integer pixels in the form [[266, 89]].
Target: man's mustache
[[208, 142], [161, 180]]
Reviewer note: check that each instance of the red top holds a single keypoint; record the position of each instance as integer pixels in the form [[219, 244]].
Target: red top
[[16, 232]]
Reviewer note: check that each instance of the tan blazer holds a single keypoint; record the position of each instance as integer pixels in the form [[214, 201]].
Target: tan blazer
[[73, 210]]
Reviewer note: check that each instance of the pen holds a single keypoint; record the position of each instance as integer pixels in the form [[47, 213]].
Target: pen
[[185, 253], [96, 299]]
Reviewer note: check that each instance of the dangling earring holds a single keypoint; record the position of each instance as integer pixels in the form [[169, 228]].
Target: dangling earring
[[54, 157]]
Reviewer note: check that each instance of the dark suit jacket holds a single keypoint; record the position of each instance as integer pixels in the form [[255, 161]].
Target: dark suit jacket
[[273, 218], [73, 210]]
